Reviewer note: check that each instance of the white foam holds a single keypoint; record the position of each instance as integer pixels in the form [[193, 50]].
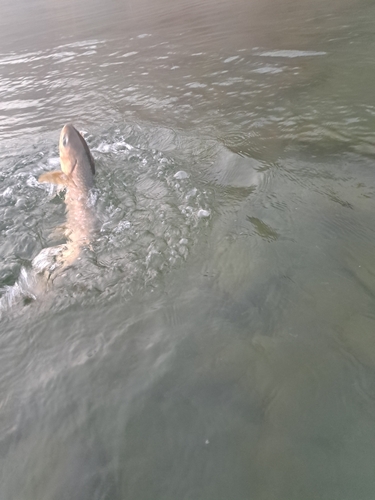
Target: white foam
[[45, 260]]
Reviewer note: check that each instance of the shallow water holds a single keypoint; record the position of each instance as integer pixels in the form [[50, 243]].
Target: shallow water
[[216, 340]]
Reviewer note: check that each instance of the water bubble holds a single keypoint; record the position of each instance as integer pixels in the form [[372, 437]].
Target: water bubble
[[203, 213], [191, 193], [8, 192], [125, 224], [32, 182], [181, 174]]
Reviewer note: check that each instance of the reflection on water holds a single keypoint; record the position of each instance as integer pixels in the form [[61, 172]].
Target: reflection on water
[[216, 339]]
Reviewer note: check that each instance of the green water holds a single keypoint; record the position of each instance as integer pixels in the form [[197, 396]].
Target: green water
[[217, 340]]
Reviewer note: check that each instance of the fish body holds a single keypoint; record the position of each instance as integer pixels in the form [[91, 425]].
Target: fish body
[[77, 174]]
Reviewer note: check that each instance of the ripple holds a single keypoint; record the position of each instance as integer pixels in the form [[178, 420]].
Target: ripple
[[150, 204], [291, 53], [230, 59], [271, 70]]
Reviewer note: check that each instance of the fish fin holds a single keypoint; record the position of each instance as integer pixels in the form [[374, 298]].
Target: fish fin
[[57, 177]]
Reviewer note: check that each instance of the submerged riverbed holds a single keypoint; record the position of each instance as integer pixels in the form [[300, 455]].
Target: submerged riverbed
[[216, 340]]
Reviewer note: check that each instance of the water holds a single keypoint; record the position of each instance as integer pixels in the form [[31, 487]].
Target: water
[[216, 341]]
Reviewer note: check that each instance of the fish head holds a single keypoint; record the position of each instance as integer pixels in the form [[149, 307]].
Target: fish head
[[75, 157]]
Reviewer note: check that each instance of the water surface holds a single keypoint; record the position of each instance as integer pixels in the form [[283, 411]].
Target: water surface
[[216, 340]]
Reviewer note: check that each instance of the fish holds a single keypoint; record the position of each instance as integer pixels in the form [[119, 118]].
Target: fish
[[77, 175]]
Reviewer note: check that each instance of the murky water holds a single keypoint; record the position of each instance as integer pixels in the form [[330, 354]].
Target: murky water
[[216, 341]]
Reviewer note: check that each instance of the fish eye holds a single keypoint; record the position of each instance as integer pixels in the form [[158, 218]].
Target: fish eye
[[65, 140]]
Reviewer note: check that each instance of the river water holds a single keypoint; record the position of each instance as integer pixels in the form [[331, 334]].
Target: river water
[[217, 339]]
